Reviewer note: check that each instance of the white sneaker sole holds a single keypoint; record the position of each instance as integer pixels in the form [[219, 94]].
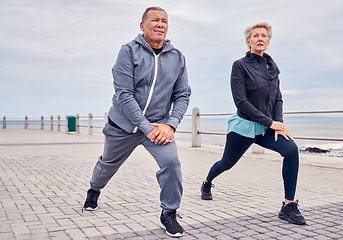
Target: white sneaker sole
[[176, 235], [90, 209]]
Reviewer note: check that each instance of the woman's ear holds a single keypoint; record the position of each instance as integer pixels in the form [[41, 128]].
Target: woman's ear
[[248, 42]]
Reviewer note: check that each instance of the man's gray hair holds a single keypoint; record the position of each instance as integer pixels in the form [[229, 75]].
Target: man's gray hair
[[144, 16]]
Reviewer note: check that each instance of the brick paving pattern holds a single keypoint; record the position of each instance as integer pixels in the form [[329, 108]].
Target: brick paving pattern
[[45, 175]]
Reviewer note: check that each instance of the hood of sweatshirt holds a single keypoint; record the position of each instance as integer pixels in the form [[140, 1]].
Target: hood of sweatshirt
[[167, 46]]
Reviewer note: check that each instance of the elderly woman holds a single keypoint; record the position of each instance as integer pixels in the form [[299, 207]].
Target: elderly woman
[[256, 92]]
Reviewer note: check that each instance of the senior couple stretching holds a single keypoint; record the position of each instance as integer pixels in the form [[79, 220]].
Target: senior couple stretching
[[152, 95]]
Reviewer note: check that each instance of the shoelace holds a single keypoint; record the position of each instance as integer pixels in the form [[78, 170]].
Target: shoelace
[[296, 205], [172, 218], [207, 187]]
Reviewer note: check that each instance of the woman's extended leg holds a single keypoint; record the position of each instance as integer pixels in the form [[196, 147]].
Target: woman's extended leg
[[236, 145]]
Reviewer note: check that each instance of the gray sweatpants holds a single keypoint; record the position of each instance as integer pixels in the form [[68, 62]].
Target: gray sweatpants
[[118, 147]]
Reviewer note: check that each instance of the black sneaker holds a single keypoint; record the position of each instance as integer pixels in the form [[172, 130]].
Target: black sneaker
[[206, 191], [169, 222], [91, 203], [291, 213]]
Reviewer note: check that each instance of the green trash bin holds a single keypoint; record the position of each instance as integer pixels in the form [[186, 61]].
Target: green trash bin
[[71, 123]]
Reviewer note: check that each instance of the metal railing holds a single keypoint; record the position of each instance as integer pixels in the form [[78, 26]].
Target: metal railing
[[196, 132], [195, 129], [90, 125], [59, 122]]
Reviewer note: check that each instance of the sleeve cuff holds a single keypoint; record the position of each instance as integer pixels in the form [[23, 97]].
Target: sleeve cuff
[[173, 122], [145, 127]]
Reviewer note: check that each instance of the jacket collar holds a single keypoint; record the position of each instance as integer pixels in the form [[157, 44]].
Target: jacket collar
[[254, 57], [273, 68], [167, 46]]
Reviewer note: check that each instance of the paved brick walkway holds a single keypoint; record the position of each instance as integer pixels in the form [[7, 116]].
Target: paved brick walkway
[[44, 178]]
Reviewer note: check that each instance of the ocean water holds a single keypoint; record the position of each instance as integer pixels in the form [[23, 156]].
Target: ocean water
[[312, 126]]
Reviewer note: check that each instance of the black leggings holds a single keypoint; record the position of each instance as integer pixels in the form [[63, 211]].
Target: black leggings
[[236, 145]]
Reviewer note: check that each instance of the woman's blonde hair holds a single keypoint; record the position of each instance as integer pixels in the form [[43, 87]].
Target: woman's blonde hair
[[264, 25]]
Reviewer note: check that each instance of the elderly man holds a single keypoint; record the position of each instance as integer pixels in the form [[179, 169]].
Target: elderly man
[[149, 79]]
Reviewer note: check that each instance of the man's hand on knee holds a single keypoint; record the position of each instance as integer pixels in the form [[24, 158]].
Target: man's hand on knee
[[152, 134], [161, 134]]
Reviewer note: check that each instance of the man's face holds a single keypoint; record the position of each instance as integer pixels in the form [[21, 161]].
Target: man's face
[[155, 28]]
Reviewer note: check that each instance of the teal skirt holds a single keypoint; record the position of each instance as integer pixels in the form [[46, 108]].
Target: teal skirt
[[245, 127]]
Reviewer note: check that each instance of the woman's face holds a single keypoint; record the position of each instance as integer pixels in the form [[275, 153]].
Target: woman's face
[[258, 41]]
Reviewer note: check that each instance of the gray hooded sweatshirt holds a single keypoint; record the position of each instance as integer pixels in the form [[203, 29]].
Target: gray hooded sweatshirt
[[148, 85]]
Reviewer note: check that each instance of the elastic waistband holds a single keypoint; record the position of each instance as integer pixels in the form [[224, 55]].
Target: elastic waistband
[[113, 124]]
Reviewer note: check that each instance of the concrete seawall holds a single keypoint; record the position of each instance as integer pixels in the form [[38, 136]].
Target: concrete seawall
[[45, 175]]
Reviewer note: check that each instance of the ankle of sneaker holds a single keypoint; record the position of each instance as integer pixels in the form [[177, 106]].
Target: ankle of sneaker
[[92, 190], [168, 211]]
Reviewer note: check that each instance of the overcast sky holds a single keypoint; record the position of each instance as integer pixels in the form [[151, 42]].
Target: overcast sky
[[56, 56]]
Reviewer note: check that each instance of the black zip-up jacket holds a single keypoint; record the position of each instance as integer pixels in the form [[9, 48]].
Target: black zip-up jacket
[[256, 89]]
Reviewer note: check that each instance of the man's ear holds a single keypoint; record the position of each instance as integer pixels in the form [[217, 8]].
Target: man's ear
[[142, 26]]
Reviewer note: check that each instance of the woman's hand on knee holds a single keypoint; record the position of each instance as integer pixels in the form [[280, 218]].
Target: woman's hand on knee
[[285, 134], [278, 126]]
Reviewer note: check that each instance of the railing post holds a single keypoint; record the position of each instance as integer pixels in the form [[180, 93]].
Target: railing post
[[90, 124], [42, 122], [106, 118], [4, 122], [78, 123], [58, 123], [26, 124], [51, 122], [66, 123], [196, 138]]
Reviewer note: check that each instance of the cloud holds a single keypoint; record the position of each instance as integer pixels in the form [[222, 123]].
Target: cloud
[[290, 92], [59, 50]]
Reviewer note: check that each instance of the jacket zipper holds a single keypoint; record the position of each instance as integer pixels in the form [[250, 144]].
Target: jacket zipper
[[151, 90], [269, 87]]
